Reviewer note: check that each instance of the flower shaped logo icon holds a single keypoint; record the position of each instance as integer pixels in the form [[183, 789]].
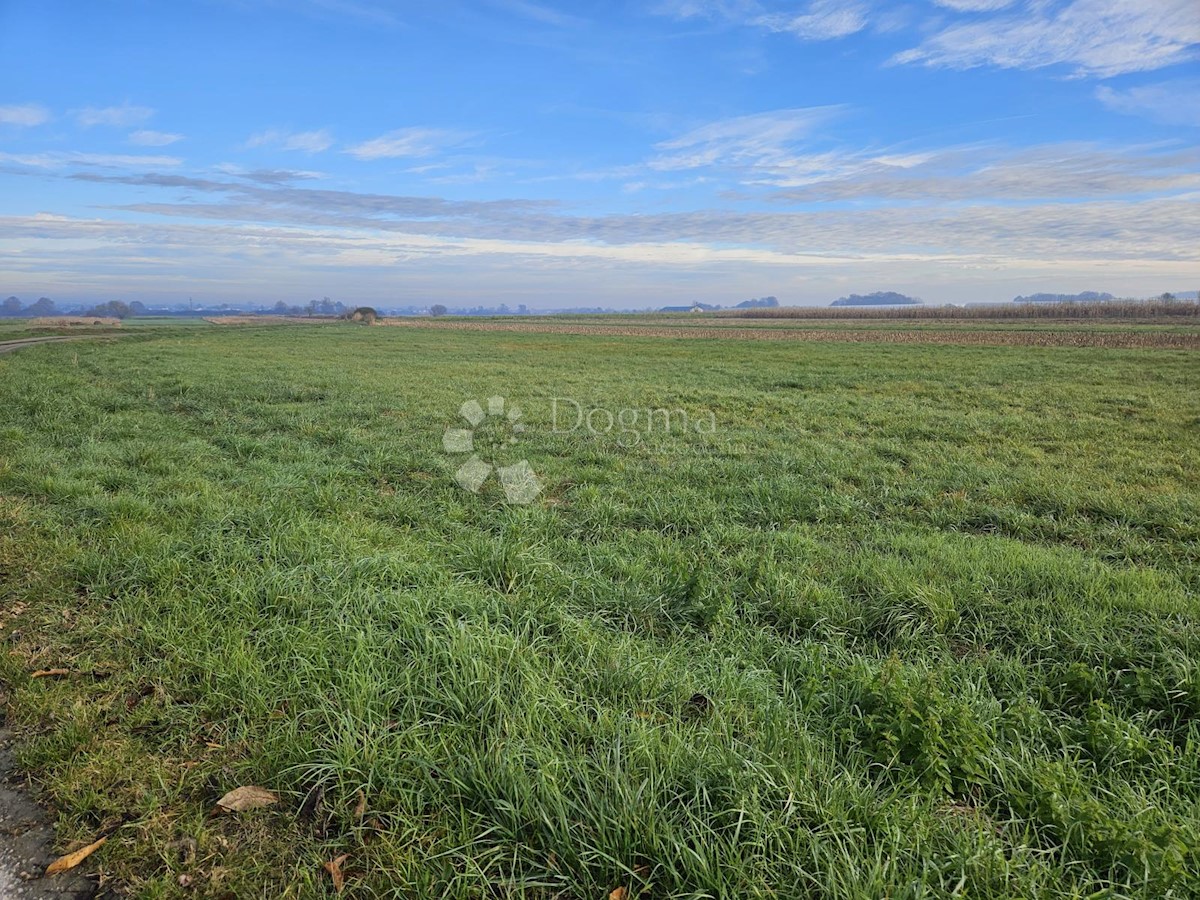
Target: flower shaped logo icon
[[494, 431]]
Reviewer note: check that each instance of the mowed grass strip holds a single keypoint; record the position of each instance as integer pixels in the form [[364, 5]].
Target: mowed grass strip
[[909, 621]]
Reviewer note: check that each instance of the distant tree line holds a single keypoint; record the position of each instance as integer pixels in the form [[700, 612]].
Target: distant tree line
[[12, 308], [44, 307], [760, 303], [322, 307]]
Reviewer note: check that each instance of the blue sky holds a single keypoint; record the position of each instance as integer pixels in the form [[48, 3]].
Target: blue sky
[[597, 153]]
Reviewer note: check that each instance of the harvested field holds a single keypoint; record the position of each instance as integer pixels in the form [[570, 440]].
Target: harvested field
[[1133, 309], [986, 337]]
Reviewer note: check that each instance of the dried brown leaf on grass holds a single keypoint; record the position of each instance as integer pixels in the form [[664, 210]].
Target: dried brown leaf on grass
[[246, 798], [51, 673], [71, 860], [334, 868], [360, 807]]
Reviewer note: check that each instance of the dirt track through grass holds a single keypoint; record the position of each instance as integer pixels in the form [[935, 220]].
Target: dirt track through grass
[[10, 346]]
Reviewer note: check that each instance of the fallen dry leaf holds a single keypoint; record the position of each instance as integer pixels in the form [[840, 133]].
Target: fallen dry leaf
[[334, 868], [360, 808], [245, 798], [619, 893], [51, 673], [71, 860]]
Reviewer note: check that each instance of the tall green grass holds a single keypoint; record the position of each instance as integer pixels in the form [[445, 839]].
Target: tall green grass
[[914, 621]]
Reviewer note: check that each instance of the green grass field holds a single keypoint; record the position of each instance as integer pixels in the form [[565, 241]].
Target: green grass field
[[909, 621]]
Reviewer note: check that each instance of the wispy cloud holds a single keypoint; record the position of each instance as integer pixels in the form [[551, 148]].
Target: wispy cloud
[[304, 141], [272, 176], [1050, 172], [537, 12], [816, 20], [761, 146], [409, 142], [123, 116], [145, 138], [25, 115], [822, 20], [974, 5], [1174, 102], [1095, 37], [62, 159]]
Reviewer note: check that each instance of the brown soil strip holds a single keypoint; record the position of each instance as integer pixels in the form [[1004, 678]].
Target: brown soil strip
[[1035, 338]]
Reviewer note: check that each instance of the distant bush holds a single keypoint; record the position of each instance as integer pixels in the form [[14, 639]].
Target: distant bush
[[364, 314]]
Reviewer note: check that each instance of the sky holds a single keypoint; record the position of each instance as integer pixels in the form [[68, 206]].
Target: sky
[[597, 152]]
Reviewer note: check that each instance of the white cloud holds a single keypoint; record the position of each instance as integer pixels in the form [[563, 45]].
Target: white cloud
[[1169, 102], [304, 141], [1096, 37], [408, 142], [146, 138], [760, 141], [25, 115], [822, 20], [122, 116]]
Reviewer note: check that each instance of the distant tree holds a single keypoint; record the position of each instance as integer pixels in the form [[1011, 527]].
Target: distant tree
[[137, 308], [1167, 297], [43, 307], [280, 308], [10, 308], [437, 310]]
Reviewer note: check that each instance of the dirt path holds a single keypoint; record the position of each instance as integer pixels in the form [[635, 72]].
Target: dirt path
[[10, 346], [27, 841]]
